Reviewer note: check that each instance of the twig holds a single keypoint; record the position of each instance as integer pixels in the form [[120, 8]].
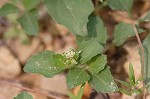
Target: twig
[[142, 16], [131, 21], [134, 22], [142, 56], [141, 47], [30, 90]]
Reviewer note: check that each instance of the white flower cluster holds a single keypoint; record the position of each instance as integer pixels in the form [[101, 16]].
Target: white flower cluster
[[70, 53]]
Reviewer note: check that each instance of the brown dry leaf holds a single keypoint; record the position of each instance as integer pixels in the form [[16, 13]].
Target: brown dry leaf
[[124, 96], [47, 39], [133, 57], [24, 51], [28, 80], [86, 93], [8, 92], [33, 81], [115, 95], [2, 2], [119, 16], [9, 65], [56, 84], [148, 97]]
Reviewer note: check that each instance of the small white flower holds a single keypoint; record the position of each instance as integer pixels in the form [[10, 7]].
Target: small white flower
[[70, 53]]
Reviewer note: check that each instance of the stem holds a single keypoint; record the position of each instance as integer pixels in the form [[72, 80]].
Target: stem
[[97, 7], [50, 95], [141, 47], [133, 22], [142, 57]]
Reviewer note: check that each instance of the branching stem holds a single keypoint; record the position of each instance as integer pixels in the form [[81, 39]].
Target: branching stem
[[142, 57], [134, 22]]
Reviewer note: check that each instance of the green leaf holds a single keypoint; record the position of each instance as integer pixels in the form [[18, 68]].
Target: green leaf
[[131, 75], [46, 63], [71, 13], [15, 1], [8, 9], [29, 22], [136, 92], [103, 82], [139, 91], [123, 5], [127, 84], [23, 95], [71, 95], [146, 75], [147, 17], [122, 32], [127, 92], [30, 4], [77, 76], [58, 59], [12, 32], [80, 92], [96, 31], [79, 95], [89, 50], [139, 80], [97, 63]]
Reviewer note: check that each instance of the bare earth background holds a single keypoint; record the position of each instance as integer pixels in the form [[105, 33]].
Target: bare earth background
[[15, 49]]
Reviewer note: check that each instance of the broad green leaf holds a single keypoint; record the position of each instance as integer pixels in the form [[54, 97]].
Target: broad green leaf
[[89, 50], [46, 63], [58, 59], [147, 17], [96, 31], [71, 13], [122, 32], [77, 76], [8, 9], [131, 74], [29, 22], [146, 45], [30, 4], [103, 81], [127, 84], [123, 5], [97, 63], [127, 92], [23, 95], [15, 1]]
